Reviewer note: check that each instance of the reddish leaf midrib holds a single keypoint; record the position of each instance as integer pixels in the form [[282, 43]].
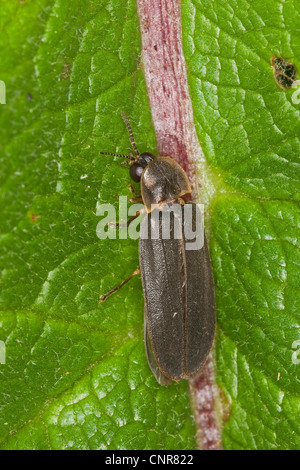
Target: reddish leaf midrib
[[172, 115]]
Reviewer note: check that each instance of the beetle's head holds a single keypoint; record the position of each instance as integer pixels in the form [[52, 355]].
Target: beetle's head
[[139, 165], [138, 162]]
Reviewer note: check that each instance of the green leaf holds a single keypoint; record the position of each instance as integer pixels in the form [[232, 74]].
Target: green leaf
[[76, 376], [249, 130]]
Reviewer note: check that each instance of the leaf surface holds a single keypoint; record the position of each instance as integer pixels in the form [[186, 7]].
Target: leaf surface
[[76, 375]]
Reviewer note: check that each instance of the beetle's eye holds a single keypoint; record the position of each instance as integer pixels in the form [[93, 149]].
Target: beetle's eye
[[136, 171]]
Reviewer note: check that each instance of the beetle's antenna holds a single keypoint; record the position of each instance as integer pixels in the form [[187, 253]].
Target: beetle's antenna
[[130, 134], [117, 155]]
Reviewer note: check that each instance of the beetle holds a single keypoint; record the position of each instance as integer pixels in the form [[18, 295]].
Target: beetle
[[178, 285]]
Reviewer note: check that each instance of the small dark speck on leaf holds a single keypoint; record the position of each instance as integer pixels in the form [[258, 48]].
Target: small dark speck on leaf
[[32, 216], [284, 72], [66, 71], [29, 97]]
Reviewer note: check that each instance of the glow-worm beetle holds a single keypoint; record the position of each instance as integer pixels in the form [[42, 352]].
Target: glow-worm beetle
[[177, 282]]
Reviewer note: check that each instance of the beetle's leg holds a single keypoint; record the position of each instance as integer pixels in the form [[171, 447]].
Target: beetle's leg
[[132, 199], [181, 201], [138, 197], [104, 296], [111, 224], [131, 188]]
